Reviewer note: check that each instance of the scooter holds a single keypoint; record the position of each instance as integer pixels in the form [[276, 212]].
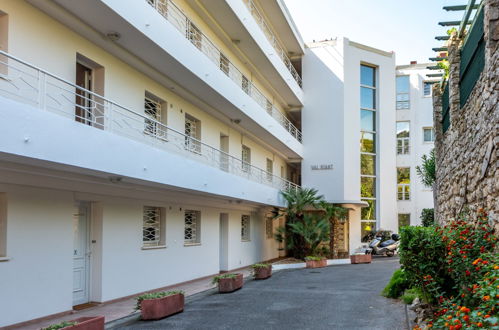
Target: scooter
[[388, 248]]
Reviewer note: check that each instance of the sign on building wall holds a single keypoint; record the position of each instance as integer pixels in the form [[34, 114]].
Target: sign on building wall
[[322, 167]]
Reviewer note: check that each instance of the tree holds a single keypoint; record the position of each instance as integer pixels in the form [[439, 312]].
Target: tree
[[427, 169], [334, 213]]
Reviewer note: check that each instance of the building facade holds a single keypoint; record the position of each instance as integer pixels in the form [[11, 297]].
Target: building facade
[[415, 137], [466, 117]]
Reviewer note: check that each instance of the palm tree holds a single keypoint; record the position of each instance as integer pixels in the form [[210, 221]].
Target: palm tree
[[334, 213]]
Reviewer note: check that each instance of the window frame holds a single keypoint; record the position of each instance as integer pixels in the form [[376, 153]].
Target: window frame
[[403, 189], [245, 224], [408, 93], [430, 84], [197, 239], [161, 241], [432, 130], [192, 141], [269, 227], [405, 142], [245, 163]]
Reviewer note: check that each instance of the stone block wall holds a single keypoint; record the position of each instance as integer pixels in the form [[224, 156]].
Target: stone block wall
[[468, 152]]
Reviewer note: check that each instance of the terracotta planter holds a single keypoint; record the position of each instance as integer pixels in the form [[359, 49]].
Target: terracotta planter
[[262, 273], [88, 323], [360, 259], [155, 309], [316, 263], [230, 284]]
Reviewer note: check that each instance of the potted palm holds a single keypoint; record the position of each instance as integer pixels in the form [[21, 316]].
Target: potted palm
[[157, 305], [228, 282], [315, 262], [83, 323], [262, 271]]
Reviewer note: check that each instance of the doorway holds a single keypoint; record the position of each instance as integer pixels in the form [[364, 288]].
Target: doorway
[[84, 99], [81, 253], [224, 156], [224, 241]]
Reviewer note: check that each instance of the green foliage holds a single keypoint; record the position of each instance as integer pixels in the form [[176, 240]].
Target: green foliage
[[444, 65], [155, 295], [60, 325], [427, 217], [260, 266], [426, 171], [314, 258], [409, 295], [217, 278], [398, 283], [313, 230]]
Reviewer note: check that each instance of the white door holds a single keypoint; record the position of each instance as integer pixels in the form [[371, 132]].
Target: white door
[[81, 254]]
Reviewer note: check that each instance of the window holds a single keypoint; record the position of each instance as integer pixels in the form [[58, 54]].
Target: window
[[245, 227], [403, 183], [404, 220], [192, 227], [224, 64], [246, 159], [153, 227], [368, 131], [192, 134], [269, 229], [428, 134], [402, 92], [403, 136], [270, 169], [427, 88], [153, 109], [3, 225], [195, 35], [245, 85]]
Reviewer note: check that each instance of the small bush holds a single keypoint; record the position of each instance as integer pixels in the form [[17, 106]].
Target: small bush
[[260, 266], [397, 285], [314, 258], [216, 279], [155, 295], [427, 217], [60, 325], [409, 295]]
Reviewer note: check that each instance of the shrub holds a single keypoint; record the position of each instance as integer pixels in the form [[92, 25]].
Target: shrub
[[409, 295], [260, 266], [427, 217], [217, 278], [314, 258], [398, 283], [60, 325], [155, 295]]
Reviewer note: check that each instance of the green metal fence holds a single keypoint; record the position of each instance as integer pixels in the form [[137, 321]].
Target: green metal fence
[[472, 58]]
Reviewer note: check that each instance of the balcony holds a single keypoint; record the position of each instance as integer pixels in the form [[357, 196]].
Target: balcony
[[23, 82], [192, 33]]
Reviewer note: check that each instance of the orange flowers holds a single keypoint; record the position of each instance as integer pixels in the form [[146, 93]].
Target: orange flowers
[[486, 298]]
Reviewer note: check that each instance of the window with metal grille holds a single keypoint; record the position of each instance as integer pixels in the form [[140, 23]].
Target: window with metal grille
[[224, 64], [403, 183], [3, 225], [153, 109], [403, 138], [192, 227], [195, 35], [245, 85], [403, 92], [153, 226], [269, 229], [245, 227], [270, 169], [428, 134], [246, 159], [192, 134]]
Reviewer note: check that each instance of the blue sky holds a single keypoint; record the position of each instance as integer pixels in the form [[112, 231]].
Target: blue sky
[[407, 27]]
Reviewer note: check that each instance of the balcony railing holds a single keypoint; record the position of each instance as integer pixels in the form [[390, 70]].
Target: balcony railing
[[272, 39], [191, 32], [26, 83]]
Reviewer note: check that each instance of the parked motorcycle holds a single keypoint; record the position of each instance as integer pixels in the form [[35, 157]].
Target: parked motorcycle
[[388, 247]]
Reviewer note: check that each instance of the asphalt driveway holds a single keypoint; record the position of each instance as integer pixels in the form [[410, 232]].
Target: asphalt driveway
[[336, 297]]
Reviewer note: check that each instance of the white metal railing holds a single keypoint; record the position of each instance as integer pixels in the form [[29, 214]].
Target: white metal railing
[[26, 83], [255, 12], [191, 32]]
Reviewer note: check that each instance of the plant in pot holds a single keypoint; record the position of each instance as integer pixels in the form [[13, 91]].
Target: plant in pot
[[157, 305], [262, 271], [315, 262], [228, 282], [87, 323]]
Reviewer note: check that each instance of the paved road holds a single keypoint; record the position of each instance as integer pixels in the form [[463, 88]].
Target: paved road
[[336, 297]]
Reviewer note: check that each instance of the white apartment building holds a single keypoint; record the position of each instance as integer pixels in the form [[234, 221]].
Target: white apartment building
[[142, 144], [145, 143], [415, 138]]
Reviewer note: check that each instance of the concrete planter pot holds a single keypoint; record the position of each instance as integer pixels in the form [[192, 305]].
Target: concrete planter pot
[[88, 323], [226, 285], [155, 309], [360, 259], [262, 273], [316, 263]]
